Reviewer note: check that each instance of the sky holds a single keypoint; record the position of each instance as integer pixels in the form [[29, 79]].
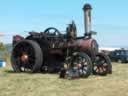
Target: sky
[[109, 18]]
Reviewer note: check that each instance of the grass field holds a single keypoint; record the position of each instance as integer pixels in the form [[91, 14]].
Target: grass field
[[15, 84]]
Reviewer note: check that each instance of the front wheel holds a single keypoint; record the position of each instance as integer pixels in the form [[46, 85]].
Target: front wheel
[[78, 65], [102, 65]]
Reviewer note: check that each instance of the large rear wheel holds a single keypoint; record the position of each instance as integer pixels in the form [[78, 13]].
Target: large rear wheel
[[26, 56]]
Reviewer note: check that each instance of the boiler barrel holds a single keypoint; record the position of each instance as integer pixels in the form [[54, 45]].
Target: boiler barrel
[[89, 46]]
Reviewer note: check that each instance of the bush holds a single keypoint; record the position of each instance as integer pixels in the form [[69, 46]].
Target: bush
[[4, 54]]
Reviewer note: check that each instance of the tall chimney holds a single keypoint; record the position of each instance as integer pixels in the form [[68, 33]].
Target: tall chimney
[[87, 20]]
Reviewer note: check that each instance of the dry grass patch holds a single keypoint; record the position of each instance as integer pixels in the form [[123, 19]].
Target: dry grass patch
[[17, 84]]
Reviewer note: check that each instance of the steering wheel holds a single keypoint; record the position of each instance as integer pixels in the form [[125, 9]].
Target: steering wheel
[[52, 31]]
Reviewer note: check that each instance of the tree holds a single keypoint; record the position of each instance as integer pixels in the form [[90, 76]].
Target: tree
[[2, 47]]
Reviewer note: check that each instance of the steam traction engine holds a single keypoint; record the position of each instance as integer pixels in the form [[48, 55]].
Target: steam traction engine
[[52, 51]]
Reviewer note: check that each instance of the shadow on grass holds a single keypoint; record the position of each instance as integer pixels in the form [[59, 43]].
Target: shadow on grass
[[13, 72], [9, 71]]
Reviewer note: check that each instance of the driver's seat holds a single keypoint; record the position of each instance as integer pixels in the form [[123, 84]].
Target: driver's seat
[[54, 37]]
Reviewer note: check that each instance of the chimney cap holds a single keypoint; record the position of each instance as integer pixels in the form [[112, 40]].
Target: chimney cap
[[87, 6]]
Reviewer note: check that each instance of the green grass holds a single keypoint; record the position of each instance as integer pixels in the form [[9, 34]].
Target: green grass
[[21, 84]]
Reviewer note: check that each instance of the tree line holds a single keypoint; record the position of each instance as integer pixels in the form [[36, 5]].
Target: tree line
[[2, 47]]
